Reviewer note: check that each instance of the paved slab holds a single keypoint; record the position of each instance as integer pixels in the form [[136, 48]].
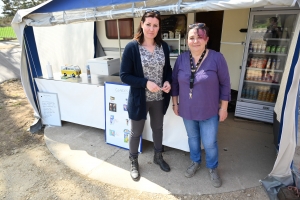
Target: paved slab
[[10, 55], [247, 154]]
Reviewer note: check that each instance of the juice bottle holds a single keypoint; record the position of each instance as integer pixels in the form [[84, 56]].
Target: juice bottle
[[250, 47], [273, 64], [278, 49], [259, 46], [243, 92], [255, 46], [273, 49], [264, 63], [277, 64], [283, 49], [263, 48], [277, 77], [264, 94], [259, 95], [250, 92], [268, 66], [268, 49], [262, 78], [273, 93], [247, 93], [268, 95], [255, 93]]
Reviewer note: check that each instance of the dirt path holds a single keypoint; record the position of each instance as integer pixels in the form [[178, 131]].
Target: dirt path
[[29, 171]]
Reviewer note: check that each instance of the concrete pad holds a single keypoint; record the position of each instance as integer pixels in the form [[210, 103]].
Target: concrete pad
[[246, 155], [10, 55]]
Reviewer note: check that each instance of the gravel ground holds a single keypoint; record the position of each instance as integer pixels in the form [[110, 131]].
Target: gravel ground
[[29, 171]]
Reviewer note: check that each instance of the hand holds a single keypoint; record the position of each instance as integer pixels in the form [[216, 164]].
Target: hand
[[152, 87], [175, 109], [222, 114], [166, 87]]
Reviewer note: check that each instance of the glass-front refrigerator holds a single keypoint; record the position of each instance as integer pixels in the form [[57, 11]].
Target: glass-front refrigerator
[[268, 42]]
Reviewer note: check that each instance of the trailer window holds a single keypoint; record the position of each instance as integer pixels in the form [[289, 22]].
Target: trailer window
[[125, 26]]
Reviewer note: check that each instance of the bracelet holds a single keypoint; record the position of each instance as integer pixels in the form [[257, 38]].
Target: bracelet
[[223, 109], [176, 105]]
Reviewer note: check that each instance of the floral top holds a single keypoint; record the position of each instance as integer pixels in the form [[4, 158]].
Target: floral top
[[153, 64]]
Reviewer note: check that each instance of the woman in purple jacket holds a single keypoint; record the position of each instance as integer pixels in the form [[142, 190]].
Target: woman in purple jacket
[[200, 95]]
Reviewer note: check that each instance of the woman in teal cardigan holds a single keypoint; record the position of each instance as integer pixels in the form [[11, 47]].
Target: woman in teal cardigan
[[146, 68]]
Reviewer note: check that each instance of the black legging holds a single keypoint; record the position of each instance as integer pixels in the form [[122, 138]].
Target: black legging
[[155, 109]]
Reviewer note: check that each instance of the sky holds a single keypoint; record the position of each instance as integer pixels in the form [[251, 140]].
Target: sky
[[1, 4]]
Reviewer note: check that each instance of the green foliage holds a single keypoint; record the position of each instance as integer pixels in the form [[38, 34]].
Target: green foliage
[[5, 21], [10, 7]]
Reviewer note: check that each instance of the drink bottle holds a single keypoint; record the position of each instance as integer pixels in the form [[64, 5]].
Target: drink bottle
[[283, 49], [285, 33], [277, 64], [268, 66], [273, 64], [273, 49]]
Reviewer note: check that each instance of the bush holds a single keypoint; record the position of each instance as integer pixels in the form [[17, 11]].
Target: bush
[[5, 21]]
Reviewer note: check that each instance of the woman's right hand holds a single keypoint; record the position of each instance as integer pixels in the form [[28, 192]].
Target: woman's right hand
[[152, 87], [175, 109]]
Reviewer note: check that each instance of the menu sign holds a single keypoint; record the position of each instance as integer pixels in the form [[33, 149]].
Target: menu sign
[[117, 122]]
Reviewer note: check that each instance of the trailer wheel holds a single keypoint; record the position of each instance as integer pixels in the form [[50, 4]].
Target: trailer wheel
[[73, 75], [65, 74]]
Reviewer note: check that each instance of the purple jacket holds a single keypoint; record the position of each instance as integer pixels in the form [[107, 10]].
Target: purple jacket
[[212, 84]]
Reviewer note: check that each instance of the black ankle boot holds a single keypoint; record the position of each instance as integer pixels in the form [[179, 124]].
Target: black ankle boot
[[158, 159], [134, 169]]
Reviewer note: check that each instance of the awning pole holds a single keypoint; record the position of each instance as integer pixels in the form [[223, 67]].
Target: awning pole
[[119, 39]]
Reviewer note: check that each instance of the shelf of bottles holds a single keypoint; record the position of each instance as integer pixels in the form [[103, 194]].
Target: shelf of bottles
[[266, 57]]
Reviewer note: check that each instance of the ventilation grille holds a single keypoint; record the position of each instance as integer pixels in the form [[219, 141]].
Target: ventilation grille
[[254, 111]]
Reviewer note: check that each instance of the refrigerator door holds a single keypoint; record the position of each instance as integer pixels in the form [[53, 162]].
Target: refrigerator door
[[267, 46]]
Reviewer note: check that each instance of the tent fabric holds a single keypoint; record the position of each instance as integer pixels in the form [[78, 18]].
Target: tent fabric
[[291, 61], [67, 14], [62, 5], [288, 120], [272, 185], [281, 174]]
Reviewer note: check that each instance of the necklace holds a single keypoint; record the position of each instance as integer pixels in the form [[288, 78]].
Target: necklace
[[194, 70]]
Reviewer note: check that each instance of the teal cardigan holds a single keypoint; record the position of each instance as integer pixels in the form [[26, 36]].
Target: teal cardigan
[[131, 73]]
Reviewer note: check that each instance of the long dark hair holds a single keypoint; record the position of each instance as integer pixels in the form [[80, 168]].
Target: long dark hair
[[139, 36]]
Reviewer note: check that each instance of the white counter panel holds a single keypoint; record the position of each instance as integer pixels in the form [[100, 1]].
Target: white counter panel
[[81, 101], [174, 131]]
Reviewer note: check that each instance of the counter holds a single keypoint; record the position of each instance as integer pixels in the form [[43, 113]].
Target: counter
[[82, 100]]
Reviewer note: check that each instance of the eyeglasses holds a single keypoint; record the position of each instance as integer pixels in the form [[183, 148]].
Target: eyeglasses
[[154, 11], [199, 25]]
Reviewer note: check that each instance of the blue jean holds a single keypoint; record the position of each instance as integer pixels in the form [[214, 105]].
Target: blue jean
[[205, 130]]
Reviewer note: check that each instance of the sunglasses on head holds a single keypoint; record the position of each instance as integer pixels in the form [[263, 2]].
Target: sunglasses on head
[[198, 25], [154, 11]]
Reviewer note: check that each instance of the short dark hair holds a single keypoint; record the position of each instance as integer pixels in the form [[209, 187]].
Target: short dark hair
[[199, 26], [139, 36]]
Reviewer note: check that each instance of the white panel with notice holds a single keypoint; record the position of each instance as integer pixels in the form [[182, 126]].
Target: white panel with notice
[[49, 109]]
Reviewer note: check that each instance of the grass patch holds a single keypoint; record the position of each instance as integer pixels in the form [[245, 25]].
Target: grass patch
[[7, 33]]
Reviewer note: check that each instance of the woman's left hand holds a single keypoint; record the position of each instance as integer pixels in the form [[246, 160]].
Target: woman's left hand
[[166, 87], [222, 114]]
